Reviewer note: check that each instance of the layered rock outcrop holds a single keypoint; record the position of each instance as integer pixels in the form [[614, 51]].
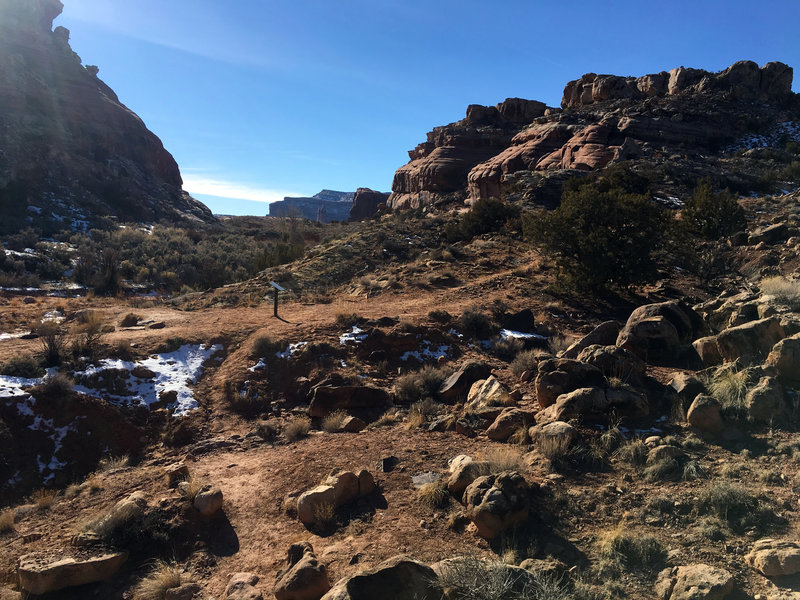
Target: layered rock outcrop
[[365, 203], [324, 207], [71, 149], [604, 119]]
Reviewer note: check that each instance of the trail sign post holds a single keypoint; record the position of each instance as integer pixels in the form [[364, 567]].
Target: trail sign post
[[276, 289]]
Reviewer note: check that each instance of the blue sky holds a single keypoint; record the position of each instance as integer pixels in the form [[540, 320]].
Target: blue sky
[[258, 99]]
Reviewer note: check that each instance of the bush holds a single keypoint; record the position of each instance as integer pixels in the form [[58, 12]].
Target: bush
[[51, 342], [525, 361], [296, 428], [22, 366], [420, 385], [476, 325], [164, 576], [434, 495], [601, 235], [729, 384], [334, 421], [633, 452], [55, 388], [130, 320], [440, 316], [347, 320], [485, 216], [265, 347], [737, 507], [712, 215], [7, 518], [633, 550], [507, 348]]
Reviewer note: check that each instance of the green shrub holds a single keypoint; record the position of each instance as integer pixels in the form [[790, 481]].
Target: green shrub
[[476, 325], [712, 215], [22, 365], [633, 550], [600, 235], [485, 216]]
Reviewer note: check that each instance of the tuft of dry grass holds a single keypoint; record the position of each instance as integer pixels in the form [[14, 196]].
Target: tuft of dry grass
[[729, 385], [633, 452], [296, 428], [633, 550], [190, 487], [44, 499], [334, 421], [130, 320], [164, 576], [420, 413], [324, 513], [112, 463], [786, 291], [553, 447], [7, 518], [390, 417], [502, 458], [434, 495]]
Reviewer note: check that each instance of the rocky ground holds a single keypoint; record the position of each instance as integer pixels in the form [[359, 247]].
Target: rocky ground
[[432, 409]]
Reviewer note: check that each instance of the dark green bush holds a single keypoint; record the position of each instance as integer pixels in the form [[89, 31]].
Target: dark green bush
[[22, 366], [485, 216], [477, 325], [712, 215], [601, 235]]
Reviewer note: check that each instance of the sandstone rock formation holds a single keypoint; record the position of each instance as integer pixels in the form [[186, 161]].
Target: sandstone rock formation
[[70, 147], [40, 575], [365, 203], [496, 502], [324, 206], [694, 582], [605, 119], [775, 557], [304, 577], [338, 489], [399, 578]]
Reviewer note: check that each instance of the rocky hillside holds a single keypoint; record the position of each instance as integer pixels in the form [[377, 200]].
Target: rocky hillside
[[70, 149], [522, 147], [323, 207]]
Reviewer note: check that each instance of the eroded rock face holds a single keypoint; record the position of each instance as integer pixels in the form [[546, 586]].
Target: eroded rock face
[[304, 577], [366, 203], [496, 502], [657, 331], [66, 135], [399, 578], [694, 582]]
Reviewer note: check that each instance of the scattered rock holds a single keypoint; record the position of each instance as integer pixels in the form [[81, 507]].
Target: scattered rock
[[175, 473], [457, 386], [556, 434], [186, 591], [746, 343], [496, 502], [353, 424], [327, 399], [657, 331], [39, 574], [708, 350], [487, 393], [338, 489], [775, 557], [241, 586], [304, 577], [765, 402], [463, 471], [563, 375], [604, 334], [704, 414], [687, 387], [662, 453], [208, 500], [614, 362], [694, 582], [399, 578], [785, 358], [506, 424]]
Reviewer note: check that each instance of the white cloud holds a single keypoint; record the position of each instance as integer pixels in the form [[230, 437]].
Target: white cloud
[[198, 184]]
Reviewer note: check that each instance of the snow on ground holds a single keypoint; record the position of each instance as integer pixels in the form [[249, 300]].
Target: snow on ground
[[427, 352], [356, 336], [508, 333], [11, 336], [174, 371], [291, 350], [12, 387]]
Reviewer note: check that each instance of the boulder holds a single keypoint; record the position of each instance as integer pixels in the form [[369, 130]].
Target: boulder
[[704, 414], [242, 586], [185, 591], [748, 342], [774, 558], [663, 453], [40, 574], [557, 434], [175, 473], [353, 424], [574, 404], [614, 362], [462, 473], [708, 350], [487, 393], [657, 331], [208, 500], [496, 502], [457, 386], [399, 578], [366, 203], [765, 403], [604, 334], [327, 399], [560, 376], [785, 358], [687, 387], [304, 577], [694, 582], [506, 423], [339, 488]]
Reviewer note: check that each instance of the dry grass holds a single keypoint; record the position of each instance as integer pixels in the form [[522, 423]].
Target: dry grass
[[786, 291], [296, 428], [44, 499], [190, 487], [324, 513], [420, 413], [130, 320], [729, 384], [633, 452], [163, 577], [334, 421], [390, 417], [502, 458], [7, 518], [553, 447], [633, 550], [112, 463], [434, 495]]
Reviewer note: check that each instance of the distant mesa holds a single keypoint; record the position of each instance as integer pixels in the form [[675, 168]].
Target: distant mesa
[[71, 151], [330, 205], [603, 119]]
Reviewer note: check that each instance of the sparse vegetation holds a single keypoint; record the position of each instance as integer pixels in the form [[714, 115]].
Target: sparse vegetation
[[51, 341], [22, 365], [632, 452], [786, 291], [634, 550], [44, 498], [737, 507], [334, 421], [54, 388], [265, 347], [525, 362], [476, 325], [347, 320], [420, 385], [297, 428], [434, 495], [113, 463], [711, 214], [502, 458], [7, 519], [164, 576], [130, 320], [729, 384]]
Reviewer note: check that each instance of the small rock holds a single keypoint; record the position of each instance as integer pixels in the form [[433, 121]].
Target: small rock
[[208, 500]]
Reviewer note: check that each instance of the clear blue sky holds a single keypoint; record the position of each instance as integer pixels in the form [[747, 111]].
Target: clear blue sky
[[258, 99]]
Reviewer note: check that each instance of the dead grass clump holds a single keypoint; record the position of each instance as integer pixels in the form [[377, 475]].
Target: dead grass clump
[[44, 499], [525, 361], [502, 458], [163, 577], [508, 348], [476, 325], [668, 469], [737, 507], [112, 463], [786, 291], [440, 316], [632, 452], [729, 384], [434, 495], [53, 388], [553, 447], [264, 346], [51, 341], [334, 421], [387, 419], [420, 385], [612, 438], [633, 550], [421, 412], [130, 320], [324, 514], [89, 331], [190, 487], [347, 320], [558, 343], [22, 365], [7, 518], [296, 428]]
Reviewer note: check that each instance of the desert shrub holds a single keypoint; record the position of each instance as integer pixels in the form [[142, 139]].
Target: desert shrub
[[390, 417], [163, 577], [334, 421], [88, 332], [51, 342], [44, 498], [54, 388], [661, 505], [600, 235], [347, 320], [323, 514], [130, 320], [296, 428], [525, 361], [485, 216], [22, 365], [553, 447], [440, 316], [632, 452], [612, 437], [729, 384], [473, 578], [711, 214], [264, 346], [737, 507], [477, 325], [421, 412], [668, 469], [170, 344], [420, 385], [501, 458], [113, 463], [434, 495], [633, 550], [783, 289], [7, 518], [507, 348]]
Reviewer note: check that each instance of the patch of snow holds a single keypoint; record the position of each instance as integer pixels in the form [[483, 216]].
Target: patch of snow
[[509, 333], [53, 315], [11, 336], [356, 336], [259, 366], [291, 350], [11, 387], [427, 352]]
